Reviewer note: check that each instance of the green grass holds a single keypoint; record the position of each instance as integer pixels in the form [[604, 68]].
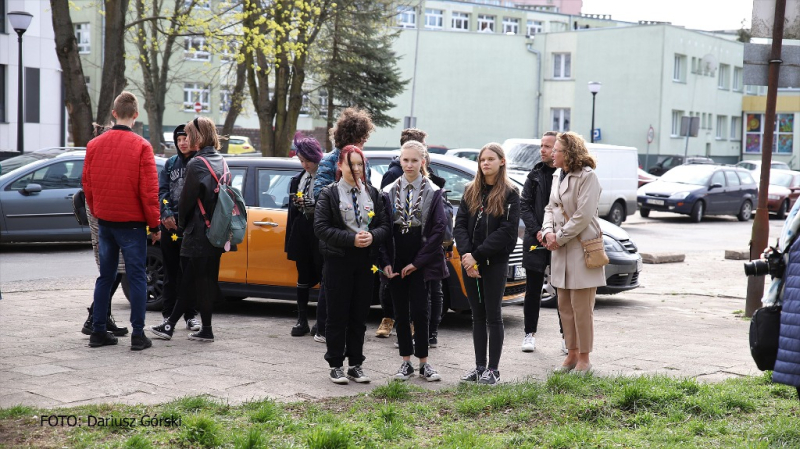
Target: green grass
[[564, 411]]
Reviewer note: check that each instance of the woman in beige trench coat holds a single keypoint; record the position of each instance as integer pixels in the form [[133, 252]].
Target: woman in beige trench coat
[[571, 213]]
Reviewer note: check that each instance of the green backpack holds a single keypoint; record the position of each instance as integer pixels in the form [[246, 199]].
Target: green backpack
[[229, 223]]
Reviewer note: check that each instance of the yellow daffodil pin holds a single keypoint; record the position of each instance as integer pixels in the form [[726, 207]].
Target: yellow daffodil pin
[[164, 201], [299, 194], [174, 237]]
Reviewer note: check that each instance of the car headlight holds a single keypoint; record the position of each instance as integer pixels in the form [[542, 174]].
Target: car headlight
[[679, 195], [611, 245], [774, 197]]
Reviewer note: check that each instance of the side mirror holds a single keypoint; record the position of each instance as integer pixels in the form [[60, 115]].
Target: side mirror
[[715, 186], [31, 189]]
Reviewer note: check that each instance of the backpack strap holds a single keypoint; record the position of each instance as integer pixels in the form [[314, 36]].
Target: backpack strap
[[226, 176]]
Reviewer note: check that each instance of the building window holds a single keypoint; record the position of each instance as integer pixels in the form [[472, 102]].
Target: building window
[[510, 26], [784, 130], [737, 79], [736, 128], [676, 123], [230, 50], [2, 89], [562, 65], [406, 17], [32, 90], [751, 90], [722, 122], [460, 21], [434, 19], [198, 4], [679, 69], [323, 103], [560, 120], [225, 98], [2, 18], [194, 49], [83, 36], [485, 23], [196, 92], [724, 82], [535, 27]]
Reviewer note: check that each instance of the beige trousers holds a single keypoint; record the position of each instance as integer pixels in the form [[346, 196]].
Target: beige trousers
[[577, 317]]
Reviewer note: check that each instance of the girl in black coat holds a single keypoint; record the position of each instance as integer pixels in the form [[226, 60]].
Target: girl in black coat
[[486, 233], [351, 224], [301, 245]]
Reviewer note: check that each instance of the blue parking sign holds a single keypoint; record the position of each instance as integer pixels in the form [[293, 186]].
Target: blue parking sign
[[596, 134]]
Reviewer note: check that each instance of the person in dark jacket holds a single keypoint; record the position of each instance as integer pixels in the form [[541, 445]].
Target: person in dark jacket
[[535, 257], [787, 363], [301, 245], [170, 186], [414, 252], [486, 233], [199, 258], [351, 224]]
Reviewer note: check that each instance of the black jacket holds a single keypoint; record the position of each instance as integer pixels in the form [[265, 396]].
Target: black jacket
[[394, 171], [300, 242], [200, 184], [491, 238], [535, 196], [334, 237]]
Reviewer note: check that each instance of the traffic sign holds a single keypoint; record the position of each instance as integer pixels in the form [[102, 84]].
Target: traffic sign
[[651, 134], [198, 107], [597, 134]]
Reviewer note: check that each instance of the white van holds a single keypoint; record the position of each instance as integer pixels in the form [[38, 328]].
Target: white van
[[616, 168]]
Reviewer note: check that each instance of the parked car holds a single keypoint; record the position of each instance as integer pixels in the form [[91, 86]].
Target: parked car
[[466, 153], [240, 145], [436, 149], [674, 161], [16, 162], [700, 190], [784, 189], [755, 166], [645, 178]]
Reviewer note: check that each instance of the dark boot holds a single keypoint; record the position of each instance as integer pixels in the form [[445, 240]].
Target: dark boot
[[301, 328], [98, 339], [112, 327], [87, 325]]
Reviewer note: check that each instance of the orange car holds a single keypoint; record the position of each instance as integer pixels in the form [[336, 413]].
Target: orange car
[[259, 268]]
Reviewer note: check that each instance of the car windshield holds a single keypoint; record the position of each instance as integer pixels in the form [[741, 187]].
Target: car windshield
[[522, 156], [781, 179], [18, 161], [688, 174]]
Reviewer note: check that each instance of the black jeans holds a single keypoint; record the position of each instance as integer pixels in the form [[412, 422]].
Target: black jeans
[[435, 306], [322, 305], [485, 299], [385, 295], [410, 297], [309, 273], [200, 281], [173, 275], [348, 290], [533, 301]]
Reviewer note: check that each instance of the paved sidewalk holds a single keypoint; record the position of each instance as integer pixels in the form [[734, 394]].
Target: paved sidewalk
[[680, 323]]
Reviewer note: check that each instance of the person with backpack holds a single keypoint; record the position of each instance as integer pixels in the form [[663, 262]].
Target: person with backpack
[[351, 224], [413, 251], [301, 245], [199, 257], [486, 230]]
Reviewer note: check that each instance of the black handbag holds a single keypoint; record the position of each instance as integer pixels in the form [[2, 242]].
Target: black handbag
[[79, 208], [764, 331]]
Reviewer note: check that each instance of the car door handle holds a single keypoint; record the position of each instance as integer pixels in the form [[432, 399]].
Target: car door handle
[[69, 197], [266, 223]]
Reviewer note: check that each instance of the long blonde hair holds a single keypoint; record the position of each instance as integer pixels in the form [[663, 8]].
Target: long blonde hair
[[496, 201]]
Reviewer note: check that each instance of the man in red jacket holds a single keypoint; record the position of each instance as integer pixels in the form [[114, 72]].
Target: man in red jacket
[[121, 185]]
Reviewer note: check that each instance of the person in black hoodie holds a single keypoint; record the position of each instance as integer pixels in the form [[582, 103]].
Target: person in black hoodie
[[301, 245], [486, 233], [199, 258], [170, 186], [351, 224]]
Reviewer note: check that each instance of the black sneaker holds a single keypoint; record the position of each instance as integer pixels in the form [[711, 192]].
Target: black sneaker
[[433, 341], [473, 375], [314, 329], [140, 342], [338, 377], [97, 339], [203, 334], [405, 372], [357, 374], [193, 324], [301, 328], [87, 325], [427, 372], [163, 330], [112, 327], [489, 377]]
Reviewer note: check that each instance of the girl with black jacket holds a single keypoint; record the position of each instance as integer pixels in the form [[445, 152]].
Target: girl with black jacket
[[486, 233], [351, 224], [413, 251], [301, 245]]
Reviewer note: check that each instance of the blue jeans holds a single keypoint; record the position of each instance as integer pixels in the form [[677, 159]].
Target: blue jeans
[[133, 244]]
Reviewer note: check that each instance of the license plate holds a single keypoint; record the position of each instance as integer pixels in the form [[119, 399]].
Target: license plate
[[656, 202], [516, 272]]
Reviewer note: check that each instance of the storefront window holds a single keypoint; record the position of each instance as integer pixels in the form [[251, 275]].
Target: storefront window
[[784, 130]]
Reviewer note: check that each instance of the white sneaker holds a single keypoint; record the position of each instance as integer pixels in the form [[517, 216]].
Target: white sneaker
[[564, 347], [529, 343]]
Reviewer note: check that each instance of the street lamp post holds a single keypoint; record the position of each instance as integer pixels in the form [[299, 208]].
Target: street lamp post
[[594, 88], [20, 20]]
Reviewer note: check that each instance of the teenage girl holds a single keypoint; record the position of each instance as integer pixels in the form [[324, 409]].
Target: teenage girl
[[351, 224], [486, 233], [413, 255]]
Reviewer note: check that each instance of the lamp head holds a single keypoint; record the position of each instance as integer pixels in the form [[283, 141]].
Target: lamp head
[[20, 20], [594, 87]]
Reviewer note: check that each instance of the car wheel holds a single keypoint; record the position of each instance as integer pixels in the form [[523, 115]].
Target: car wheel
[[644, 212], [781, 214], [154, 270], [746, 211], [549, 293], [617, 214], [697, 212]]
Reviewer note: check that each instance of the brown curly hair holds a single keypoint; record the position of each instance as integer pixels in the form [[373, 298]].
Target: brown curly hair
[[576, 156], [352, 128], [409, 134]]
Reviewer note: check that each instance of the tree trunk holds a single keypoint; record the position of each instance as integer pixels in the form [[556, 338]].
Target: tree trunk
[[77, 100], [237, 98], [113, 81]]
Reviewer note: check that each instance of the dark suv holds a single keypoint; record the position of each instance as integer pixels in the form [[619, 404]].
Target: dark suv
[[671, 162]]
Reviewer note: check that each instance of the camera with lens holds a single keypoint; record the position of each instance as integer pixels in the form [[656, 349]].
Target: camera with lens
[[772, 265]]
